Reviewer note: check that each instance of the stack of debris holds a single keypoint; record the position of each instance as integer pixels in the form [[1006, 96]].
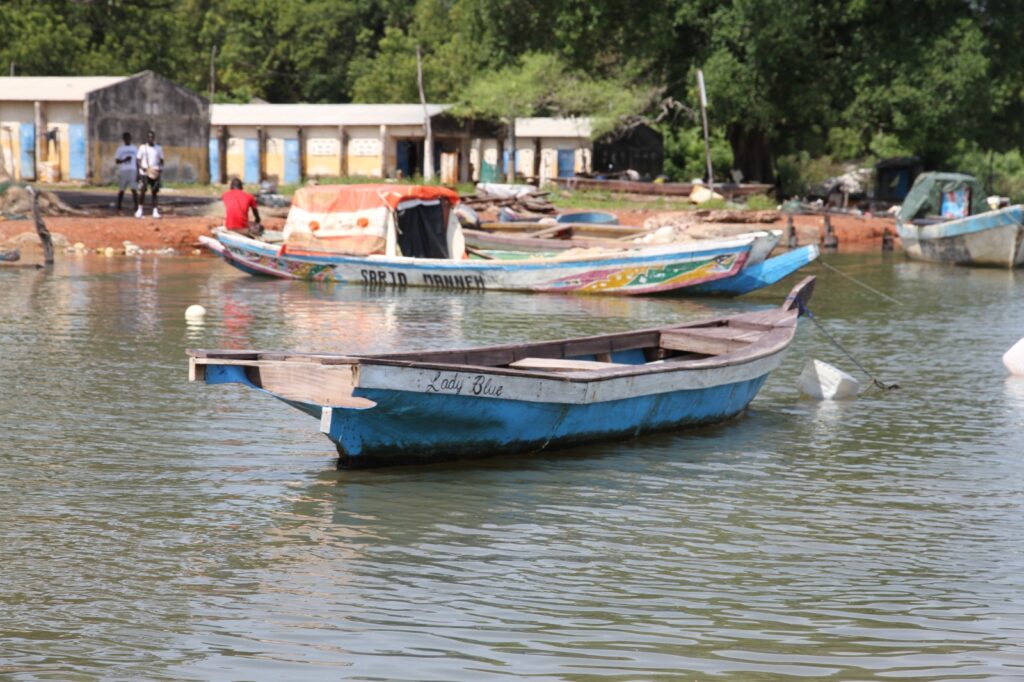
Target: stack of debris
[[705, 224], [511, 202], [16, 202]]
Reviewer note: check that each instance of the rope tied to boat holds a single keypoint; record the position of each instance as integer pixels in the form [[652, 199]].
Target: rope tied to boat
[[804, 310], [859, 283]]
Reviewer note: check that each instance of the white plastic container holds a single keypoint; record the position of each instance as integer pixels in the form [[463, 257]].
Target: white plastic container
[[822, 381]]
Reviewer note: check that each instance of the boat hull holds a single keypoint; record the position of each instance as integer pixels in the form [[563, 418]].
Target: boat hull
[[758, 276], [401, 426], [993, 239], [645, 271]]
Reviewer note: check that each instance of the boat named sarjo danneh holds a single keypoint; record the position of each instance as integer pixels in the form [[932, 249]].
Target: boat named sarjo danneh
[[409, 236], [448, 404]]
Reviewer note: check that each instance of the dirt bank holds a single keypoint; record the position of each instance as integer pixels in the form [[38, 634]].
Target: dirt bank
[[180, 233]]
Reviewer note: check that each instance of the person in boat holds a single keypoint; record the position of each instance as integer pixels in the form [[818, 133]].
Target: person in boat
[[127, 171], [237, 204], [151, 166]]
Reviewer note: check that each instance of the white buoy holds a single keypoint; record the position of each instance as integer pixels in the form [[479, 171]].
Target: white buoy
[[1014, 358], [822, 381], [195, 312]]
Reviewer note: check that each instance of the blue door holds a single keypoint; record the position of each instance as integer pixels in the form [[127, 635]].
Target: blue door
[[402, 157], [566, 163], [28, 151], [292, 172], [252, 161], [215, 161], [519, 162], [76, 151]]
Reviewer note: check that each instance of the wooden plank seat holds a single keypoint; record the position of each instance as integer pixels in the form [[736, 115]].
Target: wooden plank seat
[[561, 365], [708, 340]]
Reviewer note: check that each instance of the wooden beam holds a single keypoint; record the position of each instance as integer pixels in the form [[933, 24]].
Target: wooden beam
[[560, 365], [708, 341]]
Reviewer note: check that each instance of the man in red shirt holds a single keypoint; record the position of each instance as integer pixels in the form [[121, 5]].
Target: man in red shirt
[[237, 203]]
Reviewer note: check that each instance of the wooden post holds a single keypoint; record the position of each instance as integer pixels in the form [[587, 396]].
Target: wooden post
[[464, 175], [342, 151], [261, 145], [478, 145], [41, 145], [223, 156], [302, 153], [887, 240], [383, 151], [511, 179], [44, 234], [829, 241], [791, 241], [428, 142], [704, 119]]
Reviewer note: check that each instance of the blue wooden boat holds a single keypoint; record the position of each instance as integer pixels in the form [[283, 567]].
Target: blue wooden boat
[[436, 405], [945, 219]]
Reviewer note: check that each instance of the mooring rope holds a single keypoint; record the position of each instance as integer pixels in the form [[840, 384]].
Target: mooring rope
[[857, 281], [804, 310]]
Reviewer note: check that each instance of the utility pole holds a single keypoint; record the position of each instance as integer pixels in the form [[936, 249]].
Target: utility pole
[[428, 142], [213, 72], [704, 119]]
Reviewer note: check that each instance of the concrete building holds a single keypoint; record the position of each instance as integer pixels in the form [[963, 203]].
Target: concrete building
[[545, 148], [290, 142], [55, 128]]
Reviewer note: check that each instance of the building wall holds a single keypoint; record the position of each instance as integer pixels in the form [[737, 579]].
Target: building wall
[[323, 151], [365, 150], [13, 115], [180, 118]]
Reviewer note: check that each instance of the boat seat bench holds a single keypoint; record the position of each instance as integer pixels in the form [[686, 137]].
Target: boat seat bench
[[560, 365]]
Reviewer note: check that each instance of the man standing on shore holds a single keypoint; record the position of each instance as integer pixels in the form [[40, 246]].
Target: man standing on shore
[[237, 203], [151, 165], [127, 170]]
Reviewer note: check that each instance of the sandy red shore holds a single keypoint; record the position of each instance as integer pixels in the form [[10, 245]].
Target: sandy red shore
[[95, 232]]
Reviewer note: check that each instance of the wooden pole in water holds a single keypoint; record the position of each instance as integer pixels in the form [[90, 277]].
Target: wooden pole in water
[[704, 119], [44, 234]]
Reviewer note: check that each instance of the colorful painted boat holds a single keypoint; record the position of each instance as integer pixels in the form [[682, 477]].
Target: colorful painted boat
[[437, 405], [945, 219], [395, 235]]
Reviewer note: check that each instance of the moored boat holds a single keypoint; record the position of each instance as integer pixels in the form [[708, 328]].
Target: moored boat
[[395, 235], [945, 219], [448, 404]]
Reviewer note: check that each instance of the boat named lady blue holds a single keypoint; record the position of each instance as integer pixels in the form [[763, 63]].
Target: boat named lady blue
[[448, 404]]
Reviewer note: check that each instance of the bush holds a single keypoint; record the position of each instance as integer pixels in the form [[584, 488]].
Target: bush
[[1001, 173]]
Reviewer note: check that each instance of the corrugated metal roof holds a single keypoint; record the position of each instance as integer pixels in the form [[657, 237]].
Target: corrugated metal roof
[[52, 88], [320, 114], [553, 127]]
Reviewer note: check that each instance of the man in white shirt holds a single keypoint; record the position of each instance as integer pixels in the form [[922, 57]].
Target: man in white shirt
[[151, 165], [127, 170]]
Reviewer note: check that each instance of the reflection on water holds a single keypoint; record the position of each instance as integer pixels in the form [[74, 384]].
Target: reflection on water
[[152, 529]]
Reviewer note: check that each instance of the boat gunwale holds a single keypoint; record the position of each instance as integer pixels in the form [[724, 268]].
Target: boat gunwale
[[775, 338], [634, 256]]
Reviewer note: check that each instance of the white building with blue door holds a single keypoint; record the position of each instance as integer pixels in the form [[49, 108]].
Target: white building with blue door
[[546, 148], [67, 128], [288, 143]]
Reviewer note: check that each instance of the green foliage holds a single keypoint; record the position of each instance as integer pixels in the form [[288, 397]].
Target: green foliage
[[800, 172], [787, 80], [760, 202], [1001, 173], [684, 153]]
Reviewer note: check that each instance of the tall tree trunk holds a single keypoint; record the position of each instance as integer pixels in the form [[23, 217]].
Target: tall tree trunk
[[752, 154]]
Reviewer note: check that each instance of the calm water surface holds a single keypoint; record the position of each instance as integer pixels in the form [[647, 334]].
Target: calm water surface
[[153, 529]]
